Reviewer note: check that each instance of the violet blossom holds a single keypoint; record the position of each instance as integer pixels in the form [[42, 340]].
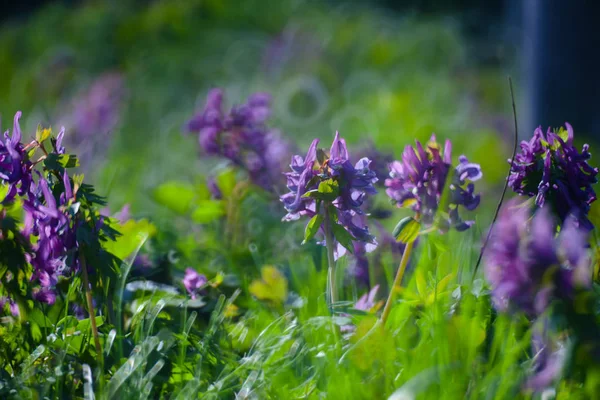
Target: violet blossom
[[193, 282], [15, 167], [349, 184], [528, 267], [242, 136], [418, 181], [553, 171]]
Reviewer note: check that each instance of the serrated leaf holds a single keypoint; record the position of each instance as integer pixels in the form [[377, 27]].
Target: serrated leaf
[[312, 227], [176, 196], [343, 237], [407, 230], [208, 211], [59, 161]]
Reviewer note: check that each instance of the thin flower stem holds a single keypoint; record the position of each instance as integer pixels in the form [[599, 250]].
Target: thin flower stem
[[329, 244], [397, 281], [90, 304], [512, 160]]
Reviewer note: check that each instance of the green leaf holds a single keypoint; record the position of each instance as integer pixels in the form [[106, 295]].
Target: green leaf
[[407, 230], [176, 196], [312, 227], [272, 286], [132, 234], [59, 161], [343, 236], [208, 211], [226, 182], [84, 324], [328, 191]]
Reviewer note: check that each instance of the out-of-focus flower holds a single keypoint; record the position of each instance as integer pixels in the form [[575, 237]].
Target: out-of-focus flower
[[13, 307], [15, 167], [418, 180], [242, 136], [322, 181], [193, 282], [213, 188], [547, 363], [367, 301], [527, 267], [93, 114], [553, 171]]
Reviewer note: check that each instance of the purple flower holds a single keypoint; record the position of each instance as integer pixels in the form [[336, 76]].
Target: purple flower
[[193, 282], [15, 167], [527, 267], [553, 171], [242, 136], [13, 307], [44, 295], [418, 180], [379, 161], [93, 114], [322, 181], [214, 189], [53, 253], [367, 301]]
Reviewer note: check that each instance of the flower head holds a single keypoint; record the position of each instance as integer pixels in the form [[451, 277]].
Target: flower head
[[242, 136], [15, 167], [193, 282], [418, 180], [328, 182], [528, 267], [553, 171]]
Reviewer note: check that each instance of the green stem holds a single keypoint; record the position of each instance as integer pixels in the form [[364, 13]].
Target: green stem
[[397, 282], [329, 244], [90, 304]]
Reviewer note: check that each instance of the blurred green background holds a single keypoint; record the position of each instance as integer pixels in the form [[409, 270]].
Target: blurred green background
[[371, 71]]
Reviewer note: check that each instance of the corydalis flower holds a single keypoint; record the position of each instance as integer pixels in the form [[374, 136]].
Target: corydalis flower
[[193, 282], [15, 167], [242, 136], [527, 267], [332, 181], [54, 251], [553, 171], [418, 180]]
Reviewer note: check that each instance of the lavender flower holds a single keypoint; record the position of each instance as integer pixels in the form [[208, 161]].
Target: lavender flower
[[331, 180], [93, 114], [527, 267], [193, 282], [417, 181], [53, 253], [13, 307], [242, 136], [15, 167], [553, 171]]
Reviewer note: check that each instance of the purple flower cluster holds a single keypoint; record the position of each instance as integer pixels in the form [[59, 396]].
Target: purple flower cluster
[[528, 267], [54, 252], [46, 218], [194, 282], [242, 136], [418, 180], [553, 171], [347, 184]]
